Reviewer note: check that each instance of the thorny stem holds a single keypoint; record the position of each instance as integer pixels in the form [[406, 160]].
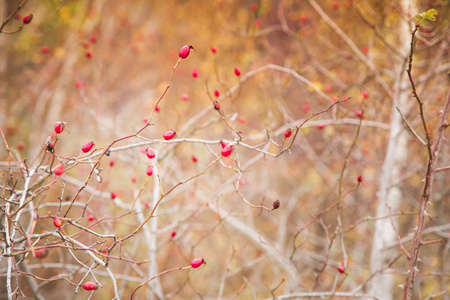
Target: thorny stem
[[432, 151]]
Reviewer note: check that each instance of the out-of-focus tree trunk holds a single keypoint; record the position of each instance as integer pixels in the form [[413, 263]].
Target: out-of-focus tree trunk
[[396, 155], [5, 10]]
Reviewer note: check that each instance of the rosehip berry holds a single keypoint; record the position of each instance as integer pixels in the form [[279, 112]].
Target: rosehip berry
[[87, 147], [335, 5], [27, 19], [50, 146], [93, 39], [254, 6], [365, 95], [157, 109], [113, 195], [57, 222], [216, 105], [258, 24], [20, 146], [320, 126], [288, 133], [241, 120], [213, 49], [59, 169], [89, 286], [79, 84], [169, 135], [226, 151], [360, 179], [306, 108], [216, 93], [359, 113], [237, 72], [223, 144], [90, 217], [40, 253], [365, 50], [88, 54], [197, 262], [59, 128], [111, 163], [276, 204], [173, 234], [149, 171], [195, 73], [303, 19], [133, 179], [341, 270], [151, 153], [185, 97], [144, 120], [85, 44], [45, 49], [146, 204], [194, 158], [185, 50]]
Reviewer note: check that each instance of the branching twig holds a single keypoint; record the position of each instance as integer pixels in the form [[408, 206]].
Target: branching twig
[[432, 151]]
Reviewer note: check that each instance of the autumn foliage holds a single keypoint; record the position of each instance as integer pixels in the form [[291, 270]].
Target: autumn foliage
[[142, 140]]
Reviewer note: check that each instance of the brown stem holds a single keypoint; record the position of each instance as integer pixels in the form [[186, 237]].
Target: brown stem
[[432, 151]]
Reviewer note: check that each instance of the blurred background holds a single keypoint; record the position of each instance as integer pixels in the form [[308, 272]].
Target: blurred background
[[100, 66]]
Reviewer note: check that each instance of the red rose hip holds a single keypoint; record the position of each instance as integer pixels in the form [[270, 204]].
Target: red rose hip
[[57, 222], [288, 133], [197, 262], [40, 253], [226, 151], [59, 169], [149, 171], [169, 135], [276, 204], [87, 147], [184, 51], [27, 19], [59, 128], [89, 286], [151, 153]]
